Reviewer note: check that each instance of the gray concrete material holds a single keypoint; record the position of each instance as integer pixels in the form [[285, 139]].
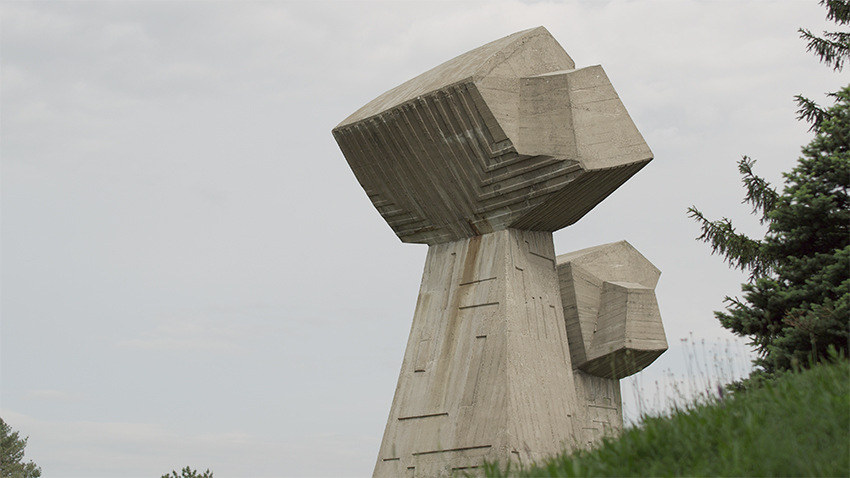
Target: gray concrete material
[[613, 327], [486, 373], [525, 53], [577, 114], [513, 355], [600, 411], [612, 316], [508, 135], [614, 262]]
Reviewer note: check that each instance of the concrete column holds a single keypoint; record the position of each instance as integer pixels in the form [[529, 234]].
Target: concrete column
[[486, 373]]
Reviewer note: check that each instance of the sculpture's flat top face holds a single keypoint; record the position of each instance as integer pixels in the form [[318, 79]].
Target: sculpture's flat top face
[[508, 135], [615, 262], [473, 65]]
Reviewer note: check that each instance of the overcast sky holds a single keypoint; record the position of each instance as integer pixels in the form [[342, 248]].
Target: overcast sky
[[191, 274]]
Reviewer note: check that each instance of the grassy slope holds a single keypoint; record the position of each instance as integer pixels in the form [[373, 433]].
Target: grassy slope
[[797, 426]]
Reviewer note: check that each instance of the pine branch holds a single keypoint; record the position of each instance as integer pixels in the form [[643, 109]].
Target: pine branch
[[833, 49], [738, 250], [811, 112], [759, 192], [837, 10]]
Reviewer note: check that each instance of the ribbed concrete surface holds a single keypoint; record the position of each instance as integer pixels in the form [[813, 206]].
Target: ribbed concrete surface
[[435, 171], [507, 135]]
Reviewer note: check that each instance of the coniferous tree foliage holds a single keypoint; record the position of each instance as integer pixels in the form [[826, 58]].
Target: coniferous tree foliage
[[12, 455], [833, 49], [188, 472], [797, 301], [796, 304]]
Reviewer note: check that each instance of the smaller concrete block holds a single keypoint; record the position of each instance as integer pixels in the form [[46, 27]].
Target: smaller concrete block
[[614, 262], [612, 318], [629, 335]]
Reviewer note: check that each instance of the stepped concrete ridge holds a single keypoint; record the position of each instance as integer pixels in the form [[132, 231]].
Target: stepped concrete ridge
[[514, 353]]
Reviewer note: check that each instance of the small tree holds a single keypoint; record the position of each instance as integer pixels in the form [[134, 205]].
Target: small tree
[[189, 473], [12, 455]]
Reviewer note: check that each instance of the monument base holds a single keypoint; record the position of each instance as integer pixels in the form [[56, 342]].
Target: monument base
[[486, 372]]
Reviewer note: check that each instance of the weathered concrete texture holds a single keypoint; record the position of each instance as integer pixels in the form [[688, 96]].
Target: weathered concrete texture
[[613, 327], [512, 356], [612, 317], [509, 135], [600, 410], [487, 372]]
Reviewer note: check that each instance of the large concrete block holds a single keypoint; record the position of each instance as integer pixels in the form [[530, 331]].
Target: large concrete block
[[509, 135]]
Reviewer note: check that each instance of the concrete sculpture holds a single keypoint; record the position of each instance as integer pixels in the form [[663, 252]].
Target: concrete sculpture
[[514, 353]]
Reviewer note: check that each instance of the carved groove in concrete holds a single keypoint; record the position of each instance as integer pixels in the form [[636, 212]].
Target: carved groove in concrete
[[507, 135]]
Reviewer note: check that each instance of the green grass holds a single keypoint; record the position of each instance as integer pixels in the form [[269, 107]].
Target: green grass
[[797, 425]]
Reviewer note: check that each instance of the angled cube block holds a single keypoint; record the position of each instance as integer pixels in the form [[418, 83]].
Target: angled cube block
[[629, 334], [509, 135], [613, 323]]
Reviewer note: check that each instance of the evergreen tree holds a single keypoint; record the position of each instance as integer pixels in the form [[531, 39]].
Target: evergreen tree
[[796, 304], [12, 455]]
